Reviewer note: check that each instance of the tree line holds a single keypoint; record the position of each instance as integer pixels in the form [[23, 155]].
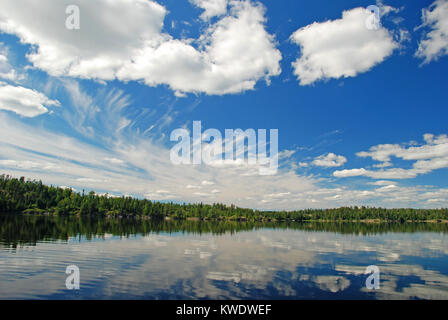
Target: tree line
[[31, 196]]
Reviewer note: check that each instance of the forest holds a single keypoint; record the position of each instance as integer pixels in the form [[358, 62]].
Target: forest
[[18, 195]]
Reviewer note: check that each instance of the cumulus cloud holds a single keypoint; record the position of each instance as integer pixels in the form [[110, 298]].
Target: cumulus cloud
[[340, 48], [435, 43], [430, 156], [212, 8], [23, 101], [231, 56], [101, 45], [236, 52], [329, 160]]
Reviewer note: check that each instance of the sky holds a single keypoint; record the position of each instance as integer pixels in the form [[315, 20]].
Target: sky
[[359, 100]]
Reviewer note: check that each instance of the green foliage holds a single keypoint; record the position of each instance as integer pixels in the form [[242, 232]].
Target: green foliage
[[21, 196]]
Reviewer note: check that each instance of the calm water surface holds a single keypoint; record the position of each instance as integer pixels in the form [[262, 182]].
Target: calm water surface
[[134, 259]]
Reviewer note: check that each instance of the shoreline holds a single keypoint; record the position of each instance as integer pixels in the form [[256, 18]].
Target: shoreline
[[225, 219]]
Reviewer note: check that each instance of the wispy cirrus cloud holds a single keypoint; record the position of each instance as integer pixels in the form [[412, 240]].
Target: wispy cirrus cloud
[[435, 42]]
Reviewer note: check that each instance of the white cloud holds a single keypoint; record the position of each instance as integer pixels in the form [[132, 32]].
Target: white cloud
[[386, 9], [236, 52], [28, 165], [435, 147], [395, 173], [382, 183], [329, 160], [428, 157], [435, 43], [350, 173], [193, 187], [23, 101], [382, 165], [7, 72], [94, 51], [340, 48], [114, 161], [212, 8], [285, 154], [230, 57]]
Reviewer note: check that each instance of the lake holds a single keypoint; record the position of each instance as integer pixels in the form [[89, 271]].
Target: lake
[[145, 259]]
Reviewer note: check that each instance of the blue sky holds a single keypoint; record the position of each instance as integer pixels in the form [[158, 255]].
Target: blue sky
[[360, 112]]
